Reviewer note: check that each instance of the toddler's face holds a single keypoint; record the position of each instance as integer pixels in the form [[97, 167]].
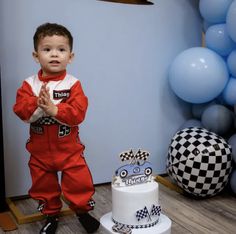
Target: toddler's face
[[53, 54]]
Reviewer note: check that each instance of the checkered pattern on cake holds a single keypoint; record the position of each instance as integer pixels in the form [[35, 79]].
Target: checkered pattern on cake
[[199, 161], [156, 210], [139, 226], [143, 213]]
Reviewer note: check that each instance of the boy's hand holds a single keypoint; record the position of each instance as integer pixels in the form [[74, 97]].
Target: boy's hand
[[45, 102], [40, 98]]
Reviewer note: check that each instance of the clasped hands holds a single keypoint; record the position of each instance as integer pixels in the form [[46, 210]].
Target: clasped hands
[[45, 102]]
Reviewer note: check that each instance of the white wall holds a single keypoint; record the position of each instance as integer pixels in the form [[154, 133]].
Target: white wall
[[122, 58]]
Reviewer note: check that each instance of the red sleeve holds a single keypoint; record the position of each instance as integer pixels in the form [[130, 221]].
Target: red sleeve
[[72, 111], [26, 102]]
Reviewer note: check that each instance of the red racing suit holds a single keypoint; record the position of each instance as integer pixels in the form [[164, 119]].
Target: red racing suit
[[54, 143]]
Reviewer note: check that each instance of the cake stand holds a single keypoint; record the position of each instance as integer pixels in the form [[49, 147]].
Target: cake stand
[[163, 226]]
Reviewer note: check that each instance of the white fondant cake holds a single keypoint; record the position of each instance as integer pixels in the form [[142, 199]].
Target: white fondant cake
[[136, 206]]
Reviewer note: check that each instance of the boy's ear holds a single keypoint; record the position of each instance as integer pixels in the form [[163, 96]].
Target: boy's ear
[[35, 56], [72, 55]]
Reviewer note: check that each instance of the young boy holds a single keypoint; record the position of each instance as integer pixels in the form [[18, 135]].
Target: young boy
[[54, 104]]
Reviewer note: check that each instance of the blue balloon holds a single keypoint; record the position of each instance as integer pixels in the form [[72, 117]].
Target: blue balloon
[[206, 25], [218, 119], [191, 123], [197, 109], [214, 11], [233, 181], [232, 142], [231, 20], [231, 62], [198, 75], [229, 92], [218, 39], [220, 100]]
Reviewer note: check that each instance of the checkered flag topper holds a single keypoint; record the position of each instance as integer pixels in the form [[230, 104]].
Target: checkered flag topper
[[126, 155], [142, 155], [143, 213]]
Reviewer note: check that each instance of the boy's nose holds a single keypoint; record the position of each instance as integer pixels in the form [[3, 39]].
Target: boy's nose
[[54, 53]]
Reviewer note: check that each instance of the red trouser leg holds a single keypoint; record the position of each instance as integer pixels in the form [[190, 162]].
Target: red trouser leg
[[45, 188], [77, 184]]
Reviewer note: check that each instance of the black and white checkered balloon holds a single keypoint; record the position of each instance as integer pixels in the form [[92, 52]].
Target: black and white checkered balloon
[[199, 161]]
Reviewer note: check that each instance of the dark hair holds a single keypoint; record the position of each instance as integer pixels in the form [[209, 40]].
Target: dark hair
[[51, 29]]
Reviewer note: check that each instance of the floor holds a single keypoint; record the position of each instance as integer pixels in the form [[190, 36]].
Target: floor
[[212, 215]]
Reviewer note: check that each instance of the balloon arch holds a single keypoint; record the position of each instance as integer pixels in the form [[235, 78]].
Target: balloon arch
[[206, 76]]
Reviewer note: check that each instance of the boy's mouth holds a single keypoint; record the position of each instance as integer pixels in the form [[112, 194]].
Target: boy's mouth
[[54, 62]]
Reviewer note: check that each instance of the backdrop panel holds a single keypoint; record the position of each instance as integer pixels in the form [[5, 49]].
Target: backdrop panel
[[122, 57]]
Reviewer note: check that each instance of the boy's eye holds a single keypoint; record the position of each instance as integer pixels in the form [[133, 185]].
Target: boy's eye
[[46, 49], [62, 50]]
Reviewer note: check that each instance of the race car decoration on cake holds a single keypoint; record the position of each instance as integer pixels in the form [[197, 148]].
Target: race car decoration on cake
[[137, 171]]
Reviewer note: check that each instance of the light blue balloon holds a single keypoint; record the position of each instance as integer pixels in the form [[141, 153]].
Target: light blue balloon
[[214, 11], [233, 181], [218, 39], [218, 119], [232, 142], [229, 92], [198, 75], [231, 20], [231, 63]]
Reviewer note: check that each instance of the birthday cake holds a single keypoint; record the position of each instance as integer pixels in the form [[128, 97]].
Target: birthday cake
[[135, 201]]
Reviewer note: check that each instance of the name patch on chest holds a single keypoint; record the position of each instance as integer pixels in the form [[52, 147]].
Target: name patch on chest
[[61, 94]]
